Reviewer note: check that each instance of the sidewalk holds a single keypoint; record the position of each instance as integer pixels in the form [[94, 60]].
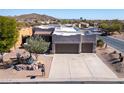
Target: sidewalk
[[63, 81]]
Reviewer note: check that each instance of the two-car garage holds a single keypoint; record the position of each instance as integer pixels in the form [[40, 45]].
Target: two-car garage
[[74, 48], [72, 43], [67, 48], [87, 48]]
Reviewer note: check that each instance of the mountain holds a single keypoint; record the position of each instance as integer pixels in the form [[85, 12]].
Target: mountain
[[34, 18]]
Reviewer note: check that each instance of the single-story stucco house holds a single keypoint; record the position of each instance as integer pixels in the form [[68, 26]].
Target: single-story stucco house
[[72, 40], [66, 39]]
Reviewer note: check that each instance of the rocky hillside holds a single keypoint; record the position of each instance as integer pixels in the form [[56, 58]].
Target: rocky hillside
[[35, 16]]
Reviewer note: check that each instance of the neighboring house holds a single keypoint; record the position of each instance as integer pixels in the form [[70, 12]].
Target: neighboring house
[[72, 40], [45, 31], [24, 32], [94, 30], [83, 24]]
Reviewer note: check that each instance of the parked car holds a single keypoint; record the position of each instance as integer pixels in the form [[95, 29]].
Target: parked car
[[105, 34]]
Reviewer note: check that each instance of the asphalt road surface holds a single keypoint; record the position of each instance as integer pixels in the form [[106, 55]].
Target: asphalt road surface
[[115, 43]]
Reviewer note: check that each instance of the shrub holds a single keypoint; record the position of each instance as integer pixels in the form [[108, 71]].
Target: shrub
[[36, 45], [100, 43]]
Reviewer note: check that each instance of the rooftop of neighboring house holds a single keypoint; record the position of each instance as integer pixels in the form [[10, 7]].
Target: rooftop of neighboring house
[[43, 30], [84, 23], [94, 30], [44, 26], [47, 26]]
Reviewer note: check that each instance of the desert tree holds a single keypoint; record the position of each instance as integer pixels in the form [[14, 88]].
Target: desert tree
[[8, 34]]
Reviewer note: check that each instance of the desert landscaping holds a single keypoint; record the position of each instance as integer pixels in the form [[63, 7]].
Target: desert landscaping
[[23, 73], [108, 56]]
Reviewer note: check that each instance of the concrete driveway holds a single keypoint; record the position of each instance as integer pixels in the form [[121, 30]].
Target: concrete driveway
[[79, 66]]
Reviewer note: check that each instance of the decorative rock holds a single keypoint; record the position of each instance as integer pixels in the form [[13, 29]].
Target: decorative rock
[[32, 77], [17, 68], [39, 66], [28, 68], [31, 68]]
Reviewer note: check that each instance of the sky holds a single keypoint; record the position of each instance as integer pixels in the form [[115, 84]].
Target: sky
[[69, 13]]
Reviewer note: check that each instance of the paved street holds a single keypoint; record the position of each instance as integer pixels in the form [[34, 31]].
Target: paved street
[[115, 43], [79, 66]]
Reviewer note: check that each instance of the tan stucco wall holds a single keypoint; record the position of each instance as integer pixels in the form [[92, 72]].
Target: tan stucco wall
[[23, 32]]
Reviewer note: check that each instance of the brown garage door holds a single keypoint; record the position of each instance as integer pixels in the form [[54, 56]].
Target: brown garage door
[[66, 48], [87, 48]]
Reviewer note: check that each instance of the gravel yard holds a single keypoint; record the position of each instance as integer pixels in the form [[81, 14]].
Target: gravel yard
[[11, 73], [104, 54]]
